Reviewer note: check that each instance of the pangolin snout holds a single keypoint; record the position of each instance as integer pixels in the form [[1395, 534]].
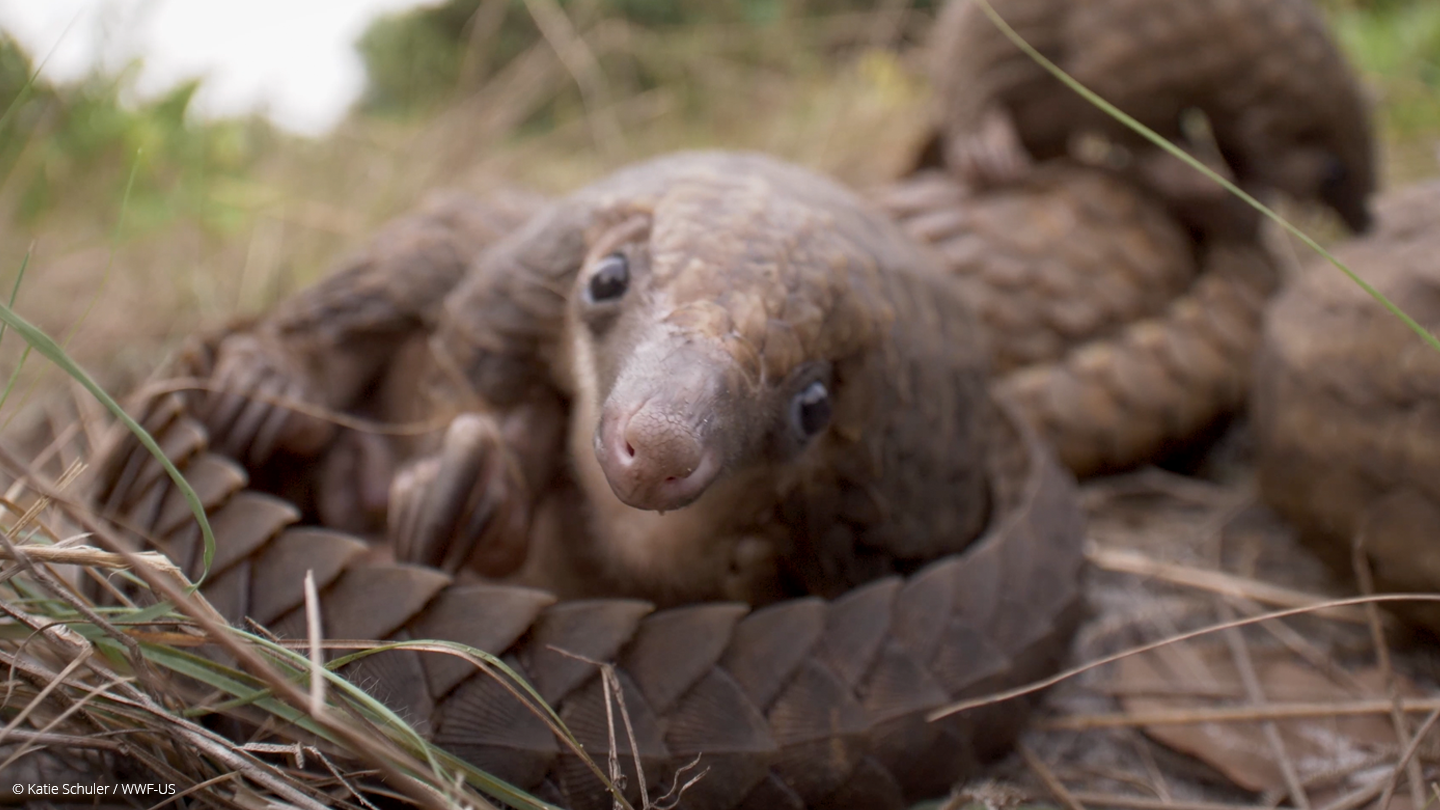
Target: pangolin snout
[[654, 449]]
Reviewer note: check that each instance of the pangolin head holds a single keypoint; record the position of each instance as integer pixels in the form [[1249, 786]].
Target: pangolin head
[[713, 319]]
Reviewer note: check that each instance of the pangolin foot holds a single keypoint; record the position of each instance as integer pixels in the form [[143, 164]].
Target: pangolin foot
[[992, 156], [461, 505], [246, 410]]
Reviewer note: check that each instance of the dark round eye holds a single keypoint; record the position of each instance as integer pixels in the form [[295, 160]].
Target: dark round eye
[[1335, 172], [611, 278], [810, 410]]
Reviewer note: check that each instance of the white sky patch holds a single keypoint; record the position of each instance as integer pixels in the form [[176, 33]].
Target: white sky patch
[[293, 60]]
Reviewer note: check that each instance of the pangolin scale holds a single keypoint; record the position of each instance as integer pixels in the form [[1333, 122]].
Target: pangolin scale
[[1114, 330]]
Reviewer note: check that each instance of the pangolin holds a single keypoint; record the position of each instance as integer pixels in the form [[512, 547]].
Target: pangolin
[[1284, 108], [707, 377], [1346, 403], [1115, 330]]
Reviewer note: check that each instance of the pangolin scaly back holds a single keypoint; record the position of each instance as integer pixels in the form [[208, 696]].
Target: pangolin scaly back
[[1113, 330]]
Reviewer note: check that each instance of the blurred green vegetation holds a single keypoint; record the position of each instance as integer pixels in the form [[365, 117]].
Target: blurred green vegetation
[[84, 141], [422, 60], [418, 60], [1396, 45], [77, 145]]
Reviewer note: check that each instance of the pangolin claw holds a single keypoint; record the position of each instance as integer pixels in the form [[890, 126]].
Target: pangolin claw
[[246, 407], [460, 506]]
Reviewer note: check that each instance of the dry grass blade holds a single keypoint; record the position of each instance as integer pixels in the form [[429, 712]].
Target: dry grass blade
[[1408, 763], [1051, 782], [580, 61], [1255, 693], [1139, 803], [91, 557], [1365, 579], [197, 788], [59, 680], [1236, 714], [317, 659], [1219, 582], [1045, 683], [613, 694]]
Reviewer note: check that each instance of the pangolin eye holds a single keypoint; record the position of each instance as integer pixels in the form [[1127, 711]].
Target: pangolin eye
[[810, 410], [611, 278], [1335, 173]]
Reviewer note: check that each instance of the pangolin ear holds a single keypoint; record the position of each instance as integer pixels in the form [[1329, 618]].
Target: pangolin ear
[[499, 327]]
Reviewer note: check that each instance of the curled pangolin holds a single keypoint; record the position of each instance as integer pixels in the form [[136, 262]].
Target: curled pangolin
[[1346, 403], [1125, 305], [749, 347], [1115, 331], [1284, 109]]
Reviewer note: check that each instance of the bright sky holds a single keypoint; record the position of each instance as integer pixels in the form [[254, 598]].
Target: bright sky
[[291, 59]]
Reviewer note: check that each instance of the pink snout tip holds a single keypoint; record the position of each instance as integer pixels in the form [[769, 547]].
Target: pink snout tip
[[654, 460]]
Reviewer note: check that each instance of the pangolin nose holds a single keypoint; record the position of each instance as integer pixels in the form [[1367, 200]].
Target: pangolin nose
[[657, 446], [652, 458]]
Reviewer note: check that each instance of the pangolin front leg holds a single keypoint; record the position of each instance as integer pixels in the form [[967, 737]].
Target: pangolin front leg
[[469, 502], [246, 406], [345, 345]]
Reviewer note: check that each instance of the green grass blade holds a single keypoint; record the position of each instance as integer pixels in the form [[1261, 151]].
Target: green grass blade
[[50, 350], [15, 290], [25, 353], [14, 375]]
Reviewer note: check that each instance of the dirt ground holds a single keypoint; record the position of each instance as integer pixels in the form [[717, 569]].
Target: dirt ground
[[1295, 711]]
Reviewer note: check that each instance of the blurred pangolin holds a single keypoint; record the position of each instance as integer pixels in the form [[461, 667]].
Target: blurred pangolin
[[1284, 108], [707, 377], [1346, 403], [1118, 333], [1124, 304]]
